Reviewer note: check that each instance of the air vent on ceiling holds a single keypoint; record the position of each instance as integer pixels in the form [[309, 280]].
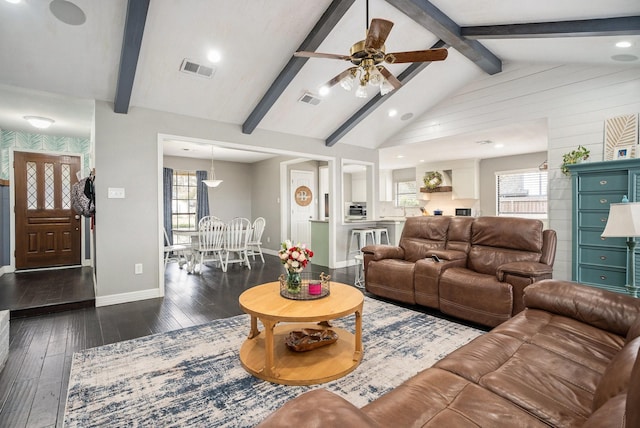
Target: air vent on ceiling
[[309, 98], [191, 67]]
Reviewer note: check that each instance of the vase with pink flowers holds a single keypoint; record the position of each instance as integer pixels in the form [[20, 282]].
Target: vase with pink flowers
[[294, 258]]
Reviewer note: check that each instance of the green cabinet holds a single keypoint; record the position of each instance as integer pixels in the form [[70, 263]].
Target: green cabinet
[[598, 261]]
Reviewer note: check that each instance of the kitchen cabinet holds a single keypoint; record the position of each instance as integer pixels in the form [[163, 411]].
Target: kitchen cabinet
[[386, 185], [597, 261], [465, 181], [359, 187]]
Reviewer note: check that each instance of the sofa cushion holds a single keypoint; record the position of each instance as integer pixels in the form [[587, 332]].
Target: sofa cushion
[[421, 234], [391, 278], [508, 232], [316, 409], [474, 296], [606, 310], [459, 234], [616, 377], [610, 415], [437, 398]]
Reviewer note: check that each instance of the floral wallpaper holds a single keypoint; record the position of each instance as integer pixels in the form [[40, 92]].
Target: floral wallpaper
[[49, 143]]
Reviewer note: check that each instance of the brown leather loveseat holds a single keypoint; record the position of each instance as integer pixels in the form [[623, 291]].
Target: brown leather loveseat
[[570, 359], [484, 265]]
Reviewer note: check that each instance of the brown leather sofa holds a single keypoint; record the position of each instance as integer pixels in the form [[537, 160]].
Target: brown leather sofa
[[570, 359], [485, 265]]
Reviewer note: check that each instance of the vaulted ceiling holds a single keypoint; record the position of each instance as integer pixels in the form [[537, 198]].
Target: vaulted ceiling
[[130, 53]]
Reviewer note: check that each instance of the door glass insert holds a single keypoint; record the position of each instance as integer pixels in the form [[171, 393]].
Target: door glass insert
[[66, 186], [49, 200], [32, 186]]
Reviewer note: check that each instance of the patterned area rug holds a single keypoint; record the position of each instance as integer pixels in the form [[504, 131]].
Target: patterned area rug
[[193, 376]]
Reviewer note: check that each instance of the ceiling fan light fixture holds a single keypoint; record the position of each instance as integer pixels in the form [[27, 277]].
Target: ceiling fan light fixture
[[385, 87], [361, 92], [375, 77], [348, 82]]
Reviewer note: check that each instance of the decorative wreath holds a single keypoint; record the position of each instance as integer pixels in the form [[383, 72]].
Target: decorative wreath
[[432, 180]]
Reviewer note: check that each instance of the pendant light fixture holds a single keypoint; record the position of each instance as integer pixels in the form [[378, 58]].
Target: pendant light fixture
[[213, 182]]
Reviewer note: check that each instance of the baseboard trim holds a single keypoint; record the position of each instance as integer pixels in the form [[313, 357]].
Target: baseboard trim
[[116, 299], [6, 269]]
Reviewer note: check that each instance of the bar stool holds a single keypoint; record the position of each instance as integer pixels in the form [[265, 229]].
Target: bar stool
[[360, 235], [359, 281], [378, 233]]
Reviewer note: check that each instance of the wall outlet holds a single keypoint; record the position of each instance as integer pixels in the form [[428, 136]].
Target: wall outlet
[[115, 193], [138, 268], [268, 239]]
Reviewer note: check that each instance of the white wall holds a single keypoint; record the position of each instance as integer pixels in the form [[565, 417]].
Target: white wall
[[575, 100], [127, 156]]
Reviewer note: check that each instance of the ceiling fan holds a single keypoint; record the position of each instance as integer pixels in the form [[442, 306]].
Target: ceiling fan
[[367, 56]]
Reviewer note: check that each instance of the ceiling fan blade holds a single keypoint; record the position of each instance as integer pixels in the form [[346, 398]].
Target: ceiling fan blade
[[321, 55], [377, 34], [416, 56], [390, 77], [339, 77]]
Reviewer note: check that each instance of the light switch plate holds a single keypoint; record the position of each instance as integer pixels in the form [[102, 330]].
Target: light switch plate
[[115, 193]]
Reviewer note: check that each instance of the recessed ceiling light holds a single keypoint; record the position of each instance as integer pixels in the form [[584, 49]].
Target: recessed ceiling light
[[624, 58], [14, 1], [499, 146], [393, 112], [39, 122], [624, 44], [484, 142], [399, 156], [406, 116], [324, 90], [214, 56], [67, 12], [421, 160]]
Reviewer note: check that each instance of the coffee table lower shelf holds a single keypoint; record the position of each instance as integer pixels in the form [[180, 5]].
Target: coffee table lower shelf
[[320, 365]]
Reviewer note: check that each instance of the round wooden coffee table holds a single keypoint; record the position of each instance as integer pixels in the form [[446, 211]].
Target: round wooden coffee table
[[265, 354]]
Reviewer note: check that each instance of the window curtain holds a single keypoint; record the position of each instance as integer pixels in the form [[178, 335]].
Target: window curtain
[[167, 191], [203, 195]]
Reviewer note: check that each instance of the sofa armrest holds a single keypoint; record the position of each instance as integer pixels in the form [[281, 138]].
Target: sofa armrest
[[381, 252], [449, 254], [316, 409], [531, 270], [614, 312]]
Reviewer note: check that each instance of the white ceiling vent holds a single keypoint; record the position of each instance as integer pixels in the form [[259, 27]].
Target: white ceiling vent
[[191, 67], [309, 98]]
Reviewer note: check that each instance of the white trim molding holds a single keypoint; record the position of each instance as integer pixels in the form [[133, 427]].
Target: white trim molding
[[116, 299]]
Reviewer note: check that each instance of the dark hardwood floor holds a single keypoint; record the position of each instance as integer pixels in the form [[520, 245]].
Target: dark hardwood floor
[[33, 384], [45, 291]]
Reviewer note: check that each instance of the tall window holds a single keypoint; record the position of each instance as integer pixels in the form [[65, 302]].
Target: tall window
[[184, 200], [522, 193], [406, 194]]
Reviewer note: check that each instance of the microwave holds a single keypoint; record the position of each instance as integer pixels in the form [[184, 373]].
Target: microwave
[[465, 212]]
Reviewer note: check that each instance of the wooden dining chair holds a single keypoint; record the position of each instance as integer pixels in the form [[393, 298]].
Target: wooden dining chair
[[255, 243], [237, 236], [173, 252], [211, 234]]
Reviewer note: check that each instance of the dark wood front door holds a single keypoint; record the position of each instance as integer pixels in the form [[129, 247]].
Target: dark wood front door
[[47, 228]]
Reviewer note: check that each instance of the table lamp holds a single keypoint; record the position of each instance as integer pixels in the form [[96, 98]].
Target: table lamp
[[624, 221]]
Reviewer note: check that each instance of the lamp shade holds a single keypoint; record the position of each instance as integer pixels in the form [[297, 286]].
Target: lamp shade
[[212, 183], [623, 221]]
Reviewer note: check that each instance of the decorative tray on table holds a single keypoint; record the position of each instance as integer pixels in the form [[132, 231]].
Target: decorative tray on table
[[308, 287], [308, 339]]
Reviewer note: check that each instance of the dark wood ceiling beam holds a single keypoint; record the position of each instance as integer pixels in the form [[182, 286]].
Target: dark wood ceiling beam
[[375, 102], [131, 43], [622, 26], [320, 31], [431, 18]]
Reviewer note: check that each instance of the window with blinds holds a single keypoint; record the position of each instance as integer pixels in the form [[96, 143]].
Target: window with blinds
[[522, 193], [406, 194], [184, 201]]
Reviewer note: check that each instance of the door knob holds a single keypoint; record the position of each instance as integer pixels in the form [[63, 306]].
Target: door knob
[[77, 217]]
